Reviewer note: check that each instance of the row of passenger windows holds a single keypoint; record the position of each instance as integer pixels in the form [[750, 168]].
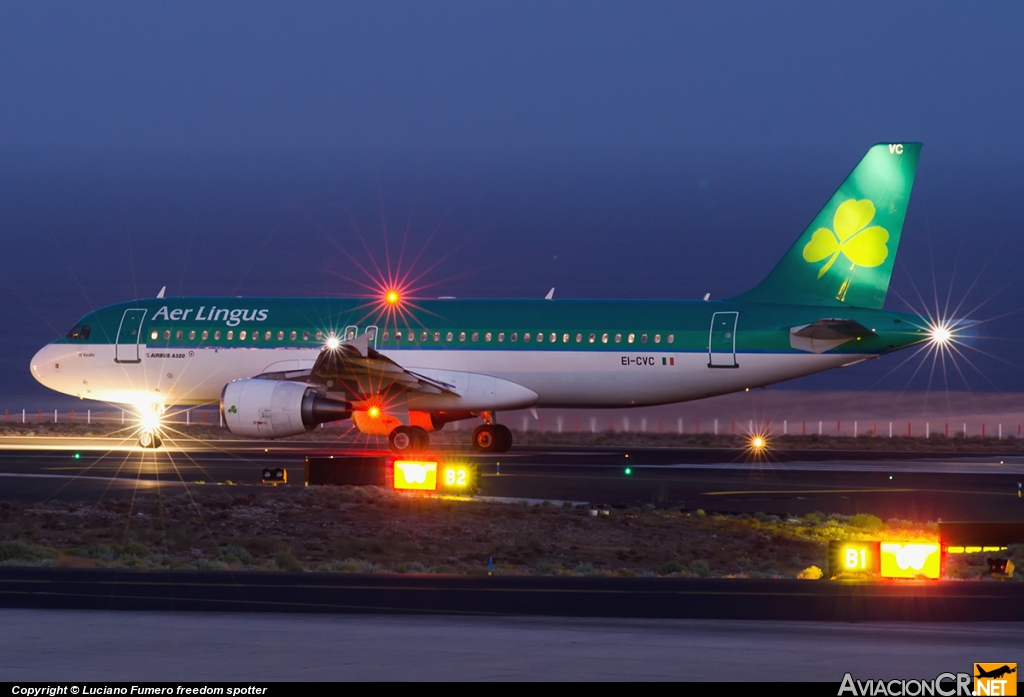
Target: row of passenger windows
[[229, 335], [539, 337], [424, 336]]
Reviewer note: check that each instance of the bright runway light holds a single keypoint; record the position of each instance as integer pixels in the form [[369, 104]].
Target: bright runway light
[[757, 443], [392, 297], [333, 342]]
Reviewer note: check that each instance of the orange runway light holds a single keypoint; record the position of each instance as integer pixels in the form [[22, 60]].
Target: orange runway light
[[392, 297], [415, 475], [910, 560]]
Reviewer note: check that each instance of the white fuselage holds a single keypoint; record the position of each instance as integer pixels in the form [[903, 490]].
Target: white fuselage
[[557, 378]]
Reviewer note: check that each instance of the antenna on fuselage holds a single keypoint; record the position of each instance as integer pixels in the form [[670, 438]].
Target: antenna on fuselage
[[550, 295], [161, 293]]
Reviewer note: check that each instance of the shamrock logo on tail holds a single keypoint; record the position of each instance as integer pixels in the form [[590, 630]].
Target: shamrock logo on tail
[[233, 410], [850, 236]]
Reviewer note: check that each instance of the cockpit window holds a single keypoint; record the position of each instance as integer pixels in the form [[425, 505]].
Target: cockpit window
[[86, 331], [75, 332]]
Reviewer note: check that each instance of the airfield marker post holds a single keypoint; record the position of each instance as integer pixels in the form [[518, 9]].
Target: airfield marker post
[[890, 429], [54, 416], [716, 427], [1000, 431], [819, 428], [785, 427], [854, 429], [874, 429], [908, 429], [750, 426], [696, 426], [965, 429], [22, 416], [680, 426], [927, 430], [946, 434], [88, 416], [188, 417], [803, 428]]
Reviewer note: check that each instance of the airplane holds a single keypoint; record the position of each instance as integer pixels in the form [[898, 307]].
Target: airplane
[[402, 368], [995, 672]]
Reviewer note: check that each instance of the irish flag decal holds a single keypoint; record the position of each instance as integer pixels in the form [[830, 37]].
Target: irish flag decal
[[668, 361]]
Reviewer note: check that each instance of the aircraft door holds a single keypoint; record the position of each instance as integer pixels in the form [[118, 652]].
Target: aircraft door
[[128, 334], [722, 340], [371, 336], [351, 332]]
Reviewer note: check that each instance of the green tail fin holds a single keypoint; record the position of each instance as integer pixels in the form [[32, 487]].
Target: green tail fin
[[846, 255]]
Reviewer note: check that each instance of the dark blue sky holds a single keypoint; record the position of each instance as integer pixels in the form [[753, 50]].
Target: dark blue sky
[[609, 149]]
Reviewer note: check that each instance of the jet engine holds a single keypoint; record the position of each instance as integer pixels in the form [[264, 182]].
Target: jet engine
[[259, 408]]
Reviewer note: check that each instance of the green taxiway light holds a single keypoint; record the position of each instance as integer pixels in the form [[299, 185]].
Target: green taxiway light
[[629, 470], [77, 456]]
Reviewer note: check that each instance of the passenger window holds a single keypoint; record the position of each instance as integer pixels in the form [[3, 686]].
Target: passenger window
[[553, 338], [153, 335], [579, 338], [604, 338], [449, 336], [86, 331], [255, 336], [280, 336], [319, 336], [618, 338], [565, 338], [462, 336], [192, 335], [73, 334], [657, 338], [216, 335], [167, 334], [267, 336], [293, 335], [501, 337], [591, 338], [231, 334], [423, 336], [643, 338], [437, 336], [206, 335], [631, 338], [671, 338], [384, 337], [476, 336], [241, 335], [177, 334], [305, 336], [540, 337], [487, 336], [412, 336], [513, 337], [526, 337]]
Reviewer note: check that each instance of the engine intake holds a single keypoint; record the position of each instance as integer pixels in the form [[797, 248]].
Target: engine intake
[[259, 408]]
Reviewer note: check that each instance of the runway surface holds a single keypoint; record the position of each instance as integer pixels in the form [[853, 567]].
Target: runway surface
[[912, 486], [97, 646], [564, 596]]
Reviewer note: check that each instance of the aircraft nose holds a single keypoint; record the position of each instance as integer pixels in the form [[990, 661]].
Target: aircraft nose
[[42, 357]]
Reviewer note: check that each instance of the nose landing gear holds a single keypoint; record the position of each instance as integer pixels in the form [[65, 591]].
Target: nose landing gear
[[150, 440], [492, 438]]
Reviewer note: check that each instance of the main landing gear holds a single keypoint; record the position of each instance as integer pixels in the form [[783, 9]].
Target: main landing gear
[[492, 438], [406, 440]]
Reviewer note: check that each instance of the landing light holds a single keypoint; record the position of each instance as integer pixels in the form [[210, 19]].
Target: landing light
[[333, 342], [392, 297], [150, 421]]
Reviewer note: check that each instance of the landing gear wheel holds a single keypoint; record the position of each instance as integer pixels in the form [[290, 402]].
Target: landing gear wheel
[[405, 440], [149, 439], [421, 438], [487, 439], [402, 440], [504, 437]]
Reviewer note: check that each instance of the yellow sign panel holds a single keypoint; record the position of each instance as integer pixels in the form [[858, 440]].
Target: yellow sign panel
[[910, 560], [415, 475], [995, 679], [456, 477]]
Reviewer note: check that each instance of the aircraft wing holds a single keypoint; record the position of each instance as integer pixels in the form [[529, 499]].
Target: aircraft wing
[[356, 368]]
